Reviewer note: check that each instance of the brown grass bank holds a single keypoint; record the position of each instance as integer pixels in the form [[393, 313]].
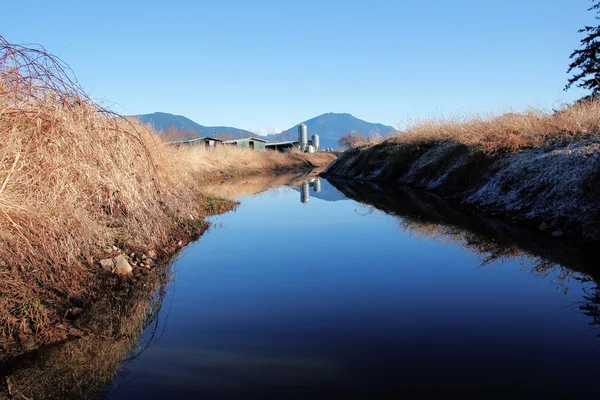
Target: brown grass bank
[[541, 169], [78, 184]]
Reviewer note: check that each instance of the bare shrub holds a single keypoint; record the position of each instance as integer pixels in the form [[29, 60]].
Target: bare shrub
[[354, 140]]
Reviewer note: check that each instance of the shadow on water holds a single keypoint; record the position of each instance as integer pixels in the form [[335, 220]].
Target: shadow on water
[[428, 215]]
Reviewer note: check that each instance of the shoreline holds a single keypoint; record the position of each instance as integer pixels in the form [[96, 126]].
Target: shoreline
[[549, 189], [142, 259]]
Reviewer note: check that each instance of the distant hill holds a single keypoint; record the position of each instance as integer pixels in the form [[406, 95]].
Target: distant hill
[[331, 127], [164, 122]]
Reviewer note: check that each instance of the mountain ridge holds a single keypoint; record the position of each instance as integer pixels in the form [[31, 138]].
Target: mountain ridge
[[330, 127], [164, 122]]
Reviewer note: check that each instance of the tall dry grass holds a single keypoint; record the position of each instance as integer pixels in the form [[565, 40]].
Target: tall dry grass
[[208, 163], [75, 178], [510, 132]]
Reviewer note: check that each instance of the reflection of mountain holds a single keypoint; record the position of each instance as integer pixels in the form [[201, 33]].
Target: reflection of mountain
[[327, 192]]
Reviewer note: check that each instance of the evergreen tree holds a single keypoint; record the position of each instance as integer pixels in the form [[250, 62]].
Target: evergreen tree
[[585, 63]]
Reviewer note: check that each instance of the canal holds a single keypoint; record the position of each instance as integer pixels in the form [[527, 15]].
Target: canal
[[319, 288]]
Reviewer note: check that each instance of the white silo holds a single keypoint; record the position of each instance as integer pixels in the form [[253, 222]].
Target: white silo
[[315, 141], [302, 136], [305, 192]]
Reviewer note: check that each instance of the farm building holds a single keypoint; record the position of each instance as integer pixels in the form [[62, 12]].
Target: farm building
[[247, 143], [201, 141], [283, 146], [303, 143]]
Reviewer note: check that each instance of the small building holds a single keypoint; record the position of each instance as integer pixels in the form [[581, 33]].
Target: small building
[[205, 141], [282, 146], [247, 143]]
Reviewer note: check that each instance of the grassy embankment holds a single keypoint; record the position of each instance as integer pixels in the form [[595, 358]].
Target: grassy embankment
[[79, 184], [542, 169]]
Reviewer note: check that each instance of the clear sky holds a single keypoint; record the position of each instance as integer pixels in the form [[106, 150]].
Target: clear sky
[[272, 64]]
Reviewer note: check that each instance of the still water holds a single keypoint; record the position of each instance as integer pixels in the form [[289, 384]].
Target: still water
[[302, 292]]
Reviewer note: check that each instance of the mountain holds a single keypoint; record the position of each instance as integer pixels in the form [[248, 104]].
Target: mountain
[[164, 122], [331, 127]]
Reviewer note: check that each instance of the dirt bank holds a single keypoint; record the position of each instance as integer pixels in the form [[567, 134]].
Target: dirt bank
[[547, 181]]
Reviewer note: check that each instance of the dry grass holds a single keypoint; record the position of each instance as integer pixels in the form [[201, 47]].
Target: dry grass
[[354, 140], [207, 164], [75, 178], [511, 132]]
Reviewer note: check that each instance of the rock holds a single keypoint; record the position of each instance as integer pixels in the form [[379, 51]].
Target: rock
[[180, 243], [115, 248], [107, 264], [132, 255], [152, 254], [543, 226], [75, 311], [122, 265], [556, 234], [150, 262]]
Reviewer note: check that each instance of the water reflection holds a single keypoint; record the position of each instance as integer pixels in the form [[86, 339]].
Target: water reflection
[[426, 215], [122, 326], [314, 183], [371, 309], [234, 189]]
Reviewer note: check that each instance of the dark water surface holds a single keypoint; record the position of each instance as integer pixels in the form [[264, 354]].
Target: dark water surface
[[284, 299]]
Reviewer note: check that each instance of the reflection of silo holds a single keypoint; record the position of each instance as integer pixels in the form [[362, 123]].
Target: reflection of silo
[[302, 136], [318, 186], [305, 192], [315, 141]]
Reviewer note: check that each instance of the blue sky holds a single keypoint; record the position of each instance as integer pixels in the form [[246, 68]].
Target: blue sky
[[271, 64]]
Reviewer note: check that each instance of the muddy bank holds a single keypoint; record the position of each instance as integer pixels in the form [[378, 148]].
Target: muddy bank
[[110, 329], [552, 189]]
